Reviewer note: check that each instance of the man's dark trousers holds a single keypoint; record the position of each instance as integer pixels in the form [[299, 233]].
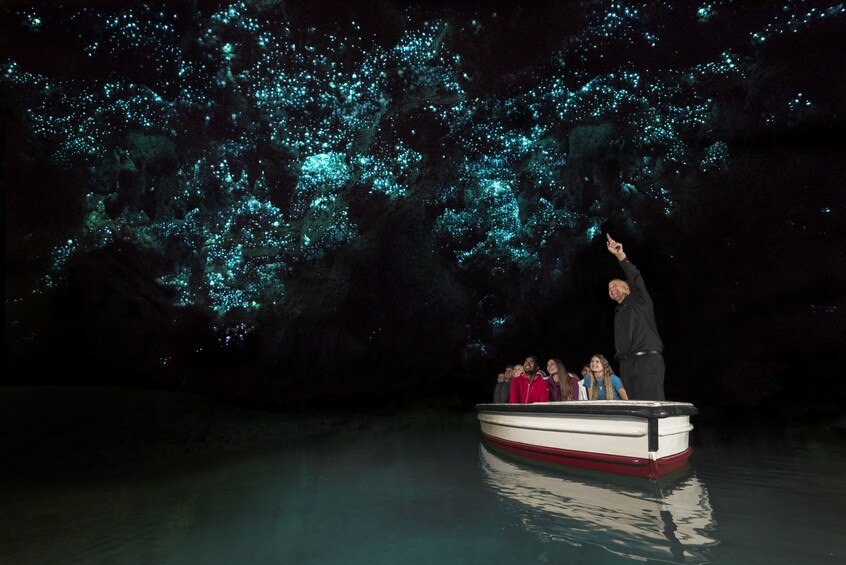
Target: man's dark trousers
[[643, 377]]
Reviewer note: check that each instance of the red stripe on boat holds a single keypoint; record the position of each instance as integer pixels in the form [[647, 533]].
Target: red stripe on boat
[[621, 465]]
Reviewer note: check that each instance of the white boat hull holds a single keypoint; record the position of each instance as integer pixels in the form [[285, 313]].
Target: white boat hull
[[637, 438]]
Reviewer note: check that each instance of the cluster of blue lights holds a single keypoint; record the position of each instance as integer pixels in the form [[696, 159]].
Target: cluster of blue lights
[[716, 156], [234, 335], [797, 16], [249, 97], [141, 28], [706, 12]]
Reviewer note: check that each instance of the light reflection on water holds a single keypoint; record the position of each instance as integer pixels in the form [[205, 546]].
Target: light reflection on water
[[640, 519], [431, 492]]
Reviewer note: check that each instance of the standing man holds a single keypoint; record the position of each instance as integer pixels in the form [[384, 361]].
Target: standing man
[[526, 389], [635, 334]]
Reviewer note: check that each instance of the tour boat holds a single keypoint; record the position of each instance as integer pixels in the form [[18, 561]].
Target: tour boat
[[637, 438]]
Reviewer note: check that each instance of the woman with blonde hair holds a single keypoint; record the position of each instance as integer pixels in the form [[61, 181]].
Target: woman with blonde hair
[[601, 379]]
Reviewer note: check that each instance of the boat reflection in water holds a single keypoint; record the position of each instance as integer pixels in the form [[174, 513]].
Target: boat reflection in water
[[661, 519]]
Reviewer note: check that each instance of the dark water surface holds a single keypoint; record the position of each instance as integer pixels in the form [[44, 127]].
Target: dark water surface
[[429, 492]]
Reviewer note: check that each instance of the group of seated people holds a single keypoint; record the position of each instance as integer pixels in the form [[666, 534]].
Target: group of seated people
[[527, 383]]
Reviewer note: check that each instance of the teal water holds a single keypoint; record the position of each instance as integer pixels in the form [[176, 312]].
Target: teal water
[[430, 492]]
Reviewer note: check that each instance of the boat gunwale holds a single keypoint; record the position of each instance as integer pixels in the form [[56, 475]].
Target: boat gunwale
[[648, 409]]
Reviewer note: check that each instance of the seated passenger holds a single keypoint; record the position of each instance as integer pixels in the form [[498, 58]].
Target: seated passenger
[[601, 380], [518, 370], [505, 391], [562, 384], [526, 390], [582, 390], [497, 393]]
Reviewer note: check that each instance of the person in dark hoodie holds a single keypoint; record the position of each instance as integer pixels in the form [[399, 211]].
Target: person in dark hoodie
[[497, 393], [506, 385]]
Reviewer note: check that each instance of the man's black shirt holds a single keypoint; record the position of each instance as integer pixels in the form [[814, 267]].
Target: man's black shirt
[[634, 318]]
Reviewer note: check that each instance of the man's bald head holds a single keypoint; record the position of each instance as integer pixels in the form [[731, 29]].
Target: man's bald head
[[618, 290]]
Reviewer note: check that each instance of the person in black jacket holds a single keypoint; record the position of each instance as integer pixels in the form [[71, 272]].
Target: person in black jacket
[[506, 385], [497, 393], [636, 336]]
